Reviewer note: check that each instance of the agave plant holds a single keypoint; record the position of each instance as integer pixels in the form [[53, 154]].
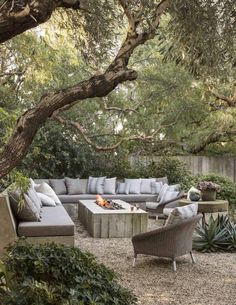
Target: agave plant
[[218, 234]]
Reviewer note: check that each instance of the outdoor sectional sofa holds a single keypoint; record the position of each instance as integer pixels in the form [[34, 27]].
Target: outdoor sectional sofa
[[55, 225], [70, 201]]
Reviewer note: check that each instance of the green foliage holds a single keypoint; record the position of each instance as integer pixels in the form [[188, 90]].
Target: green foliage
[[58, 275], [218, 234], [227, 187]]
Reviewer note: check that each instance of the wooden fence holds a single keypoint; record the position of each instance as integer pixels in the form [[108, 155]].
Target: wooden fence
[[225, 166]]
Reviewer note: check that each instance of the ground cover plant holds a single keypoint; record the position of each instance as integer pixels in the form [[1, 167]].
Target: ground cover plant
[[58, 275]]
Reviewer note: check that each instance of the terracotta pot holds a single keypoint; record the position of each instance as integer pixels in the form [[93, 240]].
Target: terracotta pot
[[208, 195]]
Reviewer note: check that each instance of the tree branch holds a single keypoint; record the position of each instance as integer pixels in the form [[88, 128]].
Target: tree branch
[[20, 15], [96, 86], [230, 101]]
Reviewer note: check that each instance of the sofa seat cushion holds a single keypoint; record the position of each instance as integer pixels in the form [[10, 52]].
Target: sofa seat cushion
[[129, 198], [54, 222]]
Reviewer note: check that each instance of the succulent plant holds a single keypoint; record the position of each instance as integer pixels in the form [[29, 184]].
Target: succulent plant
[[208, 186], [218, 234]]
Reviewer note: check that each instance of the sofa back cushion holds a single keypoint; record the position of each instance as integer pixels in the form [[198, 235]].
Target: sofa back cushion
[[133, 186], [76, 186], [58, 185], [110, 186]]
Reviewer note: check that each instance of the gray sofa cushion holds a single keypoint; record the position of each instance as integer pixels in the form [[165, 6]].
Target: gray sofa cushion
[[54, 222], [110, 186], [129, 198], [77, 186], [58, 185], [134, 185], [96, 185], [28, 212], [146, 186]]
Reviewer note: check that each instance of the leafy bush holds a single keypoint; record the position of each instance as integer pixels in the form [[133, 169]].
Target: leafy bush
[[217, 235], [227, 187], [174, 169], [58, 275]]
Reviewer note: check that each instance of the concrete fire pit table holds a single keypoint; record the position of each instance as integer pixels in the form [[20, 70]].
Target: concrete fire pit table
[[105, 223]]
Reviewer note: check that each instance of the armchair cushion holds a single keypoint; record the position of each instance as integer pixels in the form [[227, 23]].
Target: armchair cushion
[[178, 214]]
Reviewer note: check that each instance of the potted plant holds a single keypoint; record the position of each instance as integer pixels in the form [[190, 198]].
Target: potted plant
[[208, 190]]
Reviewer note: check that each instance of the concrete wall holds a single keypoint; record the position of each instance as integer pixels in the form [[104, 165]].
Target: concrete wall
[[225, 166]]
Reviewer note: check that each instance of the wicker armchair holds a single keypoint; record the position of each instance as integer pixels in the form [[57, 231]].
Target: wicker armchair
[[170, 241]]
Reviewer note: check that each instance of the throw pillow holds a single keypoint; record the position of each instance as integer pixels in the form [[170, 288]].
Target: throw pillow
[[133, 185], [72, 185], [45, 189], [121, 188], [167, 196], [96, 185], [28, 212], [180, 213], [32, 194], [46, 200], [156, 187], [58, 185], [162, 191], [110, 186], [146, 186]]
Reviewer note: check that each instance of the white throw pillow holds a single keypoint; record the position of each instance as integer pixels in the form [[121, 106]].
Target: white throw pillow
[[96, 185], [168, 195], [146, 186], [46, 189], [180, 213], [46, 200], [156, 187], [194, 190], [162, 191]]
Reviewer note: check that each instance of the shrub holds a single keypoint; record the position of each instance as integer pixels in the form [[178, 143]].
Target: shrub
[[173, 169], [58, 275], [227, 187], [217, 235]]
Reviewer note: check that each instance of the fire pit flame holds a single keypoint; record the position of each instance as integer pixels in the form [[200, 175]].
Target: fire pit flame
[[107, 204]]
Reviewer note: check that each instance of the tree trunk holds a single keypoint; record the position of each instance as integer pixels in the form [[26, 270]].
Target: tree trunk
[[31, 120]]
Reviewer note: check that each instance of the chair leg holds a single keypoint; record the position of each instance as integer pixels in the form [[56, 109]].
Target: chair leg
[[192, 257], [134, 260], [174, 265]]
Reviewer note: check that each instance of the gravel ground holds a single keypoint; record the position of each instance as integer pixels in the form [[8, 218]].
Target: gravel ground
[[211, 281]]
